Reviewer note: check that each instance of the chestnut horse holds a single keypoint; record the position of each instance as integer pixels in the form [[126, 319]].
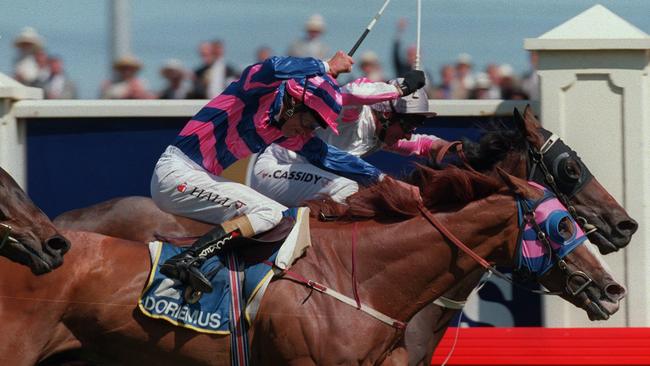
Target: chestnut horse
[[27, 236], [514, 152], [86, 310], [517, 152]]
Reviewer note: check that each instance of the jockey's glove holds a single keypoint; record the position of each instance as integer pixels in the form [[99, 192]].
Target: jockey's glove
[[413, 80]]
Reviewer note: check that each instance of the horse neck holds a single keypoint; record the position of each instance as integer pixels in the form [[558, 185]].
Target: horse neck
[[401, 267]]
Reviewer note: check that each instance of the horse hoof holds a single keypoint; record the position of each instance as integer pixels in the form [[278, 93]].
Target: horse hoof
[[191, 295]]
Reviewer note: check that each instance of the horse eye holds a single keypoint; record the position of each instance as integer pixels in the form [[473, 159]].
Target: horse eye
[[566, 228], [571, 169]]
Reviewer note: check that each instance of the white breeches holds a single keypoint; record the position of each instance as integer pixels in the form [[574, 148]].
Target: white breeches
[[290, 179], [179, 186]]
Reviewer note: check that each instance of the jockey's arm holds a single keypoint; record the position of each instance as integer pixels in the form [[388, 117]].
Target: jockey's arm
[[286, 67], [332, 159], [362, 91], [418, 145]]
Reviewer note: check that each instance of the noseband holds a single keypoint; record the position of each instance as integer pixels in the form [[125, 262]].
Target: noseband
[[550, 159]]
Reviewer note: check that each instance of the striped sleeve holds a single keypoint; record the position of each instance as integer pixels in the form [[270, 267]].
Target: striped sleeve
[[292, 67], [419, 145], [362, 91]]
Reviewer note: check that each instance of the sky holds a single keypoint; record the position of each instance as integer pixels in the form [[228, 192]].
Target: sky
[[491, 31]]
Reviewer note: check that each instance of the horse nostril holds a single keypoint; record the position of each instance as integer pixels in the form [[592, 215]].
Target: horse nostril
[[627, 227], [58, 243], [615, 291]]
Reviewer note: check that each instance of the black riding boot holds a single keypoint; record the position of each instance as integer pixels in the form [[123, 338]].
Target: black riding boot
[[185, 265]]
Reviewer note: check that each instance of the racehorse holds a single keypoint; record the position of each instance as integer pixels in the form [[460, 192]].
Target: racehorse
[[403, 263], [517, 152], [27, 236]]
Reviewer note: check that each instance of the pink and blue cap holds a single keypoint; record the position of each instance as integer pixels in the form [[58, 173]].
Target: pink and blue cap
[[323, 96]]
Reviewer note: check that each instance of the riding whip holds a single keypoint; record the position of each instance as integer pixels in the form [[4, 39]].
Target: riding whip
[[368, 28]]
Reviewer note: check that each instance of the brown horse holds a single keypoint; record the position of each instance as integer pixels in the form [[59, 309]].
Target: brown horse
[[27, 235], [515, 152], [512, 150], [403, 264]]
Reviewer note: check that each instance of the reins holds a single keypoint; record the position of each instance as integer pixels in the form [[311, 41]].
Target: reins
[[490, 268]]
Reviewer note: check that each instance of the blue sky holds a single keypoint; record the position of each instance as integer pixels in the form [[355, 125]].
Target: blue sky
[[489, 30]]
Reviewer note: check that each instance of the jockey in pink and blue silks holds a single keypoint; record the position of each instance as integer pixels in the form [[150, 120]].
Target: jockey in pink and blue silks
[[281, 100], [375, 116]]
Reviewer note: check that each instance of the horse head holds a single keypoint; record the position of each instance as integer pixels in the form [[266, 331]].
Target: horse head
[[554, 250], [555, 164], [27, 235]]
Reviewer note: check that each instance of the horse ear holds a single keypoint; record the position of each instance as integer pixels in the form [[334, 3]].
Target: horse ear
[[530, 118], [520, 123]]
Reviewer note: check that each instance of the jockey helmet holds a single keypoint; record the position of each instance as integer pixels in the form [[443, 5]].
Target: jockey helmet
[[322, 96]]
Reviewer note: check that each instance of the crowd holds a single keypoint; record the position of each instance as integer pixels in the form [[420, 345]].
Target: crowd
[[36, 66]]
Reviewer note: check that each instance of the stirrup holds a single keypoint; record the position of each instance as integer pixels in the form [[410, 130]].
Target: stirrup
[[197, 280]]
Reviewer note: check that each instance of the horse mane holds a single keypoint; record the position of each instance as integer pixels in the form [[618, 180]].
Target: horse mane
[[494, 146], [389, 200]]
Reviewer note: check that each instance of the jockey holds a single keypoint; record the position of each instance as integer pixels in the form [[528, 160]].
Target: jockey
[[375, 116], [281, 100]]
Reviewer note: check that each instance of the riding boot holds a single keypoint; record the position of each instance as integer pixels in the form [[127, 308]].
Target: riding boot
[[185, 266]]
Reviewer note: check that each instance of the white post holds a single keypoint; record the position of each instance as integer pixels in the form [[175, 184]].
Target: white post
[[120, 29], [595, 94], [13, 134]]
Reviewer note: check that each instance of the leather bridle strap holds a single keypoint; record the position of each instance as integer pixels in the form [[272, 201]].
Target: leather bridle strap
[[447, 234], [398, 324], [451, 237], [458, 145]]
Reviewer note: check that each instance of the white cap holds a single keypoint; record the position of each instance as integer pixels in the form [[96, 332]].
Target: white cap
[[482, 81], [173, 64], [29, 35], [369, 57], [464, 58], [315, 23], [506, 71], [416, 103]]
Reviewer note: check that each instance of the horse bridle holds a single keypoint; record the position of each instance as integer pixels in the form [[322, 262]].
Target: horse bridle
[[5, 235], [528, 213], [528, 217], [550, 159]]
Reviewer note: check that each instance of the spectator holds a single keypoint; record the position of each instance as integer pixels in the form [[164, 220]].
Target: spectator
[[482, 87], [530, 82], [200, 79], [494, 76], [59, 86], [43, 74], [464, 74], [371, 67], [402, 66], [25, 67], [175, 75], [311, 45], [449, 87], [220, 73], [125, 83], [510, 88], [262, 53]]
